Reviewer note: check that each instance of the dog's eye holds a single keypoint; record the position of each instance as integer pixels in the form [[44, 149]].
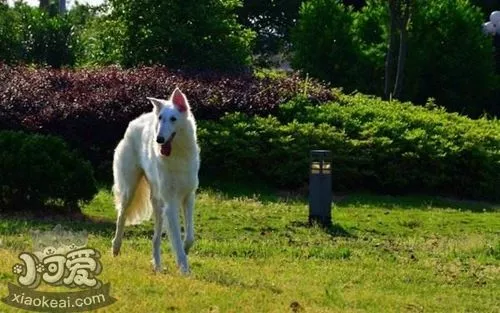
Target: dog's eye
[[159, 117], [173, 119]]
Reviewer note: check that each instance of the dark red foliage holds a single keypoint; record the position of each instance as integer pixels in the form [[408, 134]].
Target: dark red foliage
[[91, 108]]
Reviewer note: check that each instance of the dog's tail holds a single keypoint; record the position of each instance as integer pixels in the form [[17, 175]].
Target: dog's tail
[[140, 208]]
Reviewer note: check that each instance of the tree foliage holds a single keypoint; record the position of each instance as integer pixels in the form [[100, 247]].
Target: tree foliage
[[447, 55], [323, 42], [195, 34], [272, 21], [449, 58]]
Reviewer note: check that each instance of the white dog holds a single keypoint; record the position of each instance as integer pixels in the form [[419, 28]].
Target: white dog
[[155, 170]]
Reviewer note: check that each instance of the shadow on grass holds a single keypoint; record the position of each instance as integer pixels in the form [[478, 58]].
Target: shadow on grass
[[419, 202], [14, 225], [266, 193], [22, 223], [334, 230], [235, 189]]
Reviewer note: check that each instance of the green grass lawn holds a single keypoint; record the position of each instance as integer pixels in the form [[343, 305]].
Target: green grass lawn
[[256, 253]]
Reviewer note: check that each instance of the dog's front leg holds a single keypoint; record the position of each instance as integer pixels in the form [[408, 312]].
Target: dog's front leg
[[174, 234], [158, 215], [188, 222]]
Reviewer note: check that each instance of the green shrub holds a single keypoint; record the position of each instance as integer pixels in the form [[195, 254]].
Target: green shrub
[[416, 148], [388, 147], [37, 170], [262, 148]]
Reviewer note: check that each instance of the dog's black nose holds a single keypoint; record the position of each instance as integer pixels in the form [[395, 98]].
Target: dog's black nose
[[160, 139]]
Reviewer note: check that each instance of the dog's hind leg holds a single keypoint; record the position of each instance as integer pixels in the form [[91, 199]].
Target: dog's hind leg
[[158, 216], [120, 224], [123, 201], [188, 222], [126, 180]]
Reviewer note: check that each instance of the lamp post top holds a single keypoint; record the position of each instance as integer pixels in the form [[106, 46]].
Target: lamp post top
[[320, 153]]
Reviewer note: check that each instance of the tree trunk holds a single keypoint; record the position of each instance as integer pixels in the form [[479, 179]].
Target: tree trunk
[[403, 47], [389, 60], [62, 6], [44, 5], [404, 19]]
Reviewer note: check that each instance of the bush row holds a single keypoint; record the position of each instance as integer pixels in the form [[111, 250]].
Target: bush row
[[388, 147], [39, 170], [91, 108], [380, 146]]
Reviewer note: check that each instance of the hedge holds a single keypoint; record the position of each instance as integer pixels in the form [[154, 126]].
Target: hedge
[[380, 146], [38, 170], [245, 133], [91, 108]]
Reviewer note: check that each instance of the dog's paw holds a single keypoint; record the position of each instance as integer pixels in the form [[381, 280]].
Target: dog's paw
[[158, 269], [156, 266], [184, 270], [187, 245], [115, 249]]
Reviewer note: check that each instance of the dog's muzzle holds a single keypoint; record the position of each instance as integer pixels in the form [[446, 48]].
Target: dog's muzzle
[[160, 139], [166, 146]]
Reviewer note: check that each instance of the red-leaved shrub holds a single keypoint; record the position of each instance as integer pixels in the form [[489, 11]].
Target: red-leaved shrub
[[90, 108]]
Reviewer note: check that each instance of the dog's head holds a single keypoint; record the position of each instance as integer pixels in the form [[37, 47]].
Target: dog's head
[[171, 117]]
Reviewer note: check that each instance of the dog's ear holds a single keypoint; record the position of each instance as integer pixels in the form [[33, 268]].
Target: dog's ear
[[179, 100], [157, 104]]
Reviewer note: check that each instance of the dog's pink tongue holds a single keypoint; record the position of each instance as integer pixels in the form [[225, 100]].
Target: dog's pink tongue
[[166, 148]]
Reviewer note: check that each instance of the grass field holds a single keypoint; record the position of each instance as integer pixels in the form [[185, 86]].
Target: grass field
[[256, 253]]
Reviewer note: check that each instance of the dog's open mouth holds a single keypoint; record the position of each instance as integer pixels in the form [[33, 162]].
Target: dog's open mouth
[[166, 148]]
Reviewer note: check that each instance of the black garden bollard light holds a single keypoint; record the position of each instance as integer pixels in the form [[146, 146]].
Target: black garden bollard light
[[320, 188]]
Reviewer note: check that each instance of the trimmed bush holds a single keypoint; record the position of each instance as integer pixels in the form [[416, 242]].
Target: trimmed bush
[[91, 108], [261, 148], [38, 170], [388, 147]]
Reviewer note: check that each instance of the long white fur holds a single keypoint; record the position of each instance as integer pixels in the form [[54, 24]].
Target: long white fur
[[148, 183]]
